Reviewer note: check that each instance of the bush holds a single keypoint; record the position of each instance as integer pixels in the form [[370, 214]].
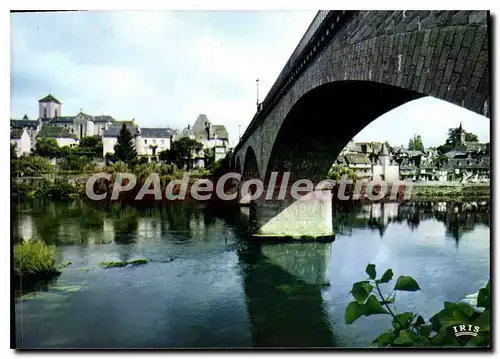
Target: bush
[[411, 330], [34, 259], [30, 166], [336, 172]]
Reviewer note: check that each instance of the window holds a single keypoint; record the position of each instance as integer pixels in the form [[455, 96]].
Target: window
[[57, 113], [162, 142], [145, 142], [154, 141], [45, 112]]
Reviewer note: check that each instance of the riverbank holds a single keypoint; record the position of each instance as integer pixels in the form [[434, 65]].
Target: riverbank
[[450, 190]]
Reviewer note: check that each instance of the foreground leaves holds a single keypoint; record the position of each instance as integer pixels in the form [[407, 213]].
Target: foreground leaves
[[410, 329]]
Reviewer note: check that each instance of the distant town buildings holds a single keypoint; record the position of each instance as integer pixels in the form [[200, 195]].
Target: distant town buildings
[[467, 162], [149, 141]]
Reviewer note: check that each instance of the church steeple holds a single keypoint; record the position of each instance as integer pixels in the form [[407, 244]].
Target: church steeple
[[461, 134]]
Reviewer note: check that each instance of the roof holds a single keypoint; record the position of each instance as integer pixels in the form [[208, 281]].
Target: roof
[[104, 118], [355, 158], [468, 163], [114, 130], [383, 151], [55, 132], [454, 153], [49, 98], [149, 132], [414, 153], [16, 133], [23, 123], [219, 131], [25, 117], [63, 119]]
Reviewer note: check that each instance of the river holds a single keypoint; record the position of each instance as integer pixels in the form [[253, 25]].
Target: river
[[208, 285]]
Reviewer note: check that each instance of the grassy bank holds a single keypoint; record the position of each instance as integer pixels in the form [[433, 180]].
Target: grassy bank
[[34, 260], [451, 190]]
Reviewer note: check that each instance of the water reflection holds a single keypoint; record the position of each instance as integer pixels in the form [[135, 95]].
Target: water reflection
[[224, 290], [457, 217]]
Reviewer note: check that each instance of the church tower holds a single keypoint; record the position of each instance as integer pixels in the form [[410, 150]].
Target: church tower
[[49, 107], [461, 134]]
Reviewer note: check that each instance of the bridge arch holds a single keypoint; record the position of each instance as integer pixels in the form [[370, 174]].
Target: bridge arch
[[250, 167], [237, 167], [324, 120]]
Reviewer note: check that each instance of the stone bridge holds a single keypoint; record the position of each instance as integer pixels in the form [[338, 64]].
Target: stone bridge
[[351, 67]]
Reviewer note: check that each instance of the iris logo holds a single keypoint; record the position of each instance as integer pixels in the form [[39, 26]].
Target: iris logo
[[466, 330]]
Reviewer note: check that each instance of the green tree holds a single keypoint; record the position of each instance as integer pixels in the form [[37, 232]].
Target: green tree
[[181, 152], [91, 146], [46, 147], [336, 172], [209, 156], [416, 143], [453, 139], [125, 147], [13, 148]]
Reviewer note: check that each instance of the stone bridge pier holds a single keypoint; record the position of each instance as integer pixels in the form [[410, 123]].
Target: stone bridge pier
[[304, 215]]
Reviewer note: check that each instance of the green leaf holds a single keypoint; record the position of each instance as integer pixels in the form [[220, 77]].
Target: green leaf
[[407, 284], [483, 321], [353, 311], [406, 337], [465, 308], [425, 330], [361, 290], [387, 276], [372, 306], [384, 339], [370, 270], [419, 320], [404, 319], [483, 297]]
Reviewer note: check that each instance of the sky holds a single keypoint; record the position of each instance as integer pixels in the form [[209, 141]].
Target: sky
[[164, 68]]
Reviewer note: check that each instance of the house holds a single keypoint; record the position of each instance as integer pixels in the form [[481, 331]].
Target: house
[[154, 141], [384, 168], [360, 164], [31, 126], [110, 137], [21, 138], [211, 136], [60, 134], [467, 169]]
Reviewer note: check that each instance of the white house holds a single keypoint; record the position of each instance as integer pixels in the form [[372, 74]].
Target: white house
[[32, 127], [60, 134], [21, 138], [154, 140], [383, 168], [211, 136], [110, 137]]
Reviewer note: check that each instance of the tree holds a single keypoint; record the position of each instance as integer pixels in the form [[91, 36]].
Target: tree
[[209, 156], [91, 146], [181, 152], [13, 148], [453, 139], [46, 147], [416, 143], [125, 147]]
